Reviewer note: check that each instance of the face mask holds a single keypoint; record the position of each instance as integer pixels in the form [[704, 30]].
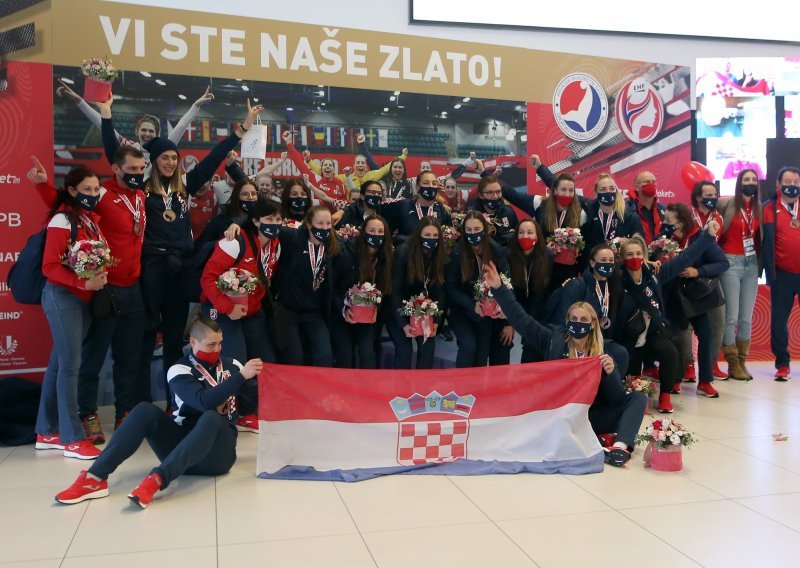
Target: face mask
[[321, 234], [298, 204], [649, 189], [428, 193], [667, 229], [709, 202], [564, 200], [429, 244], [579, 330], [749, 189], [607, 198], [372, 201], [790, 190], [526, 243], [269, 230], [209, 357], [88, 202], [247, 206], [133, 181], [374, 241], [475, 238], [604, 268], [634, 263], [492, 204]]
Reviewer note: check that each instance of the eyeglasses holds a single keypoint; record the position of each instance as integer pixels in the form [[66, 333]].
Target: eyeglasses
[[497, 193]]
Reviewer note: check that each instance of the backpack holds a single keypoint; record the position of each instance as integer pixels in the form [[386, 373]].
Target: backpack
[[191, 281], [25, 277]]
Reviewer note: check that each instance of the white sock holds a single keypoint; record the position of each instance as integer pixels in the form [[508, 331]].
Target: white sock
[[90, 476], [620, 445]]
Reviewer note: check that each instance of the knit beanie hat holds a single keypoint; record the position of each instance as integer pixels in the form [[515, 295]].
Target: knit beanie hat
[[158, 146]]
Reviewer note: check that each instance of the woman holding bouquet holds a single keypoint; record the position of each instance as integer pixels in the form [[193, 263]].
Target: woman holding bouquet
[[362, 274], [417, 271], [613, 409], [74, 261], [473, 310]]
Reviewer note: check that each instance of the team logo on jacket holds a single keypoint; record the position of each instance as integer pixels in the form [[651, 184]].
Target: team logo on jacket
[[580, 106], [433, 428], [640, 111]]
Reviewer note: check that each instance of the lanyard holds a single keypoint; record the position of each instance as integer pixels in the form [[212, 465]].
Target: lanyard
[[561, 217], [606, 225], [699, 220], [528, 280], [602, 297], [137, 213], [419, 210], [748, 222], [230, 405], [316, 263], [792, 213], [92, 228], [268, 259]]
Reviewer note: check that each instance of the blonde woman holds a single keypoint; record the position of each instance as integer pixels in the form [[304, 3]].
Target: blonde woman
[[608, 214], [613, 410]]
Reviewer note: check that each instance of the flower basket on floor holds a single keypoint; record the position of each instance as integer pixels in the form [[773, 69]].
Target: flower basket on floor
[[363, 300], [566, 244], [665, 441], [99, 74]]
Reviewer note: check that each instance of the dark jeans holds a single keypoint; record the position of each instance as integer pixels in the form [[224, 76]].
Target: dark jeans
[[312, 328], [353, 344], [123, 333], [664, 347], [473, 339], [624, 419], [245, 339], [782, 293], [404, 349], [705, 347], [207, 448], [499, 354]]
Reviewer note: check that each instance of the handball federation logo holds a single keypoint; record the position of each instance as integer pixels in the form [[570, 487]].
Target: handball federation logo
[[640, 112], [580, 106]]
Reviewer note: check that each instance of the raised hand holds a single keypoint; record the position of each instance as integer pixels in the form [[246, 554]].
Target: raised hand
[[207, 97], [536, 161], [105, 107], [287, 137], [37, 174], [65, 91], [491, 275], [252, 113], [230, 159], [361, 138]]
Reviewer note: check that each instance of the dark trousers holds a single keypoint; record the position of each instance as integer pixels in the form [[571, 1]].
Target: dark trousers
[[353, 344], [123, 333], [404, 350], [664, 347], [530, 354], [244, 339], [620, 356], [167, 311], [207, 448], [473, 339], [499, 354], [313, 329], [705, 347], [782, 293], [625, 419]]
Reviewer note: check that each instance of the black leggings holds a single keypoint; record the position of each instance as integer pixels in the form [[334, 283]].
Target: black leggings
[[207, 448], [664, 347], [474, 338], [404, 349], [353, 344]]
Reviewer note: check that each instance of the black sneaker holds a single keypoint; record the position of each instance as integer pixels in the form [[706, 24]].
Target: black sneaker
[[617, 457]]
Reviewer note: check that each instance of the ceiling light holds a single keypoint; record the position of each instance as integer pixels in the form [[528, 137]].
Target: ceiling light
[[321, 86], [322, 93], [385, 109], [182, 97], [465, 99], [397, 93], [401, 106], [245, 88], [67, 81], [392, 98], [323, 104], [237, 79], [290, 109], [145, 74], [160, 82], [457, 106], [255, 99]]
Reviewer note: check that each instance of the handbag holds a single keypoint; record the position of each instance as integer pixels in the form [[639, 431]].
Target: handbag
[[104, 304], [634, 326], [700, 295], [254, 141]]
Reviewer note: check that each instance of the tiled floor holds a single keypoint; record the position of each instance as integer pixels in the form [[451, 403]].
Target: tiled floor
[[736, 503]]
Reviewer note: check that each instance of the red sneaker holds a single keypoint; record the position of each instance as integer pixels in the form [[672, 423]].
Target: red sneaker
[[607, 440], [717, 373], [83, 450], [652, 372], [84, 488], [143, 494], [783, 374], [664, 403], [689, 376], [48, 442], [706, 389], [247, 423], [119, 421], [91, 425], [676, 389]]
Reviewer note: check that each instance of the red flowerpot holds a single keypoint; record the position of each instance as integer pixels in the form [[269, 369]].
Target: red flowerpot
[[364, 314], [95, 90], [566, 256], [663, 459], [416, 323], [488, 307], [241, 300]]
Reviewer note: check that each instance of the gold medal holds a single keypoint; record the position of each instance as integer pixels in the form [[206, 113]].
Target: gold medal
[[169, 215], [795, 223], [605, 323]]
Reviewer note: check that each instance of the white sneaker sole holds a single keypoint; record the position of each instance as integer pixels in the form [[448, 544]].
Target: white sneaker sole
[[93, 495], [76, 455], [246, 429], [48, 446], [135, 499]]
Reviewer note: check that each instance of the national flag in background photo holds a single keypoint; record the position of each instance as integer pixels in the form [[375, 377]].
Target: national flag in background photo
[[355, 424], [343, 137], [383, 138], [371, 136], [305, 135], [319, 135], [205, 130], [719, 84]]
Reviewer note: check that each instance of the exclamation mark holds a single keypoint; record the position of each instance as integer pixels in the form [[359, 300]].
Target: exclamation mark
[[497, 65]]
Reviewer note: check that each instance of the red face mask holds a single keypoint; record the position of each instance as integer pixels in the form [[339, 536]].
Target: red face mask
[[648, 189], [634, 263], [564, 200], [209, 357], [526, 243]]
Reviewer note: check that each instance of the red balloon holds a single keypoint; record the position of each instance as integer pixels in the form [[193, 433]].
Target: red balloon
[[692, 172]]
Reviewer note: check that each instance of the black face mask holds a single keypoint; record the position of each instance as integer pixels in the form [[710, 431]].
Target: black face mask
[[607, 198], [429, 244], [709, 202], [579, 330], [133, 181], [88, 202], [269, 230], [428, 193], [321, 234], [604, 268], [790, 190], [372, 201], [247, 206], [749, 189], [298, 204], [373, 241], [475, 238], [492, 204], [667, 229]]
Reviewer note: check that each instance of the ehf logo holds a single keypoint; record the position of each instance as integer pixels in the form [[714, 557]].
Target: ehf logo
[[8, 346], [640, 111], [580, 106], [433, 428]]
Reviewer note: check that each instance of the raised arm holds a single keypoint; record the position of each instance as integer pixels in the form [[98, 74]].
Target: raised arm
[[362, 149], [270, 168], [87, 110], [110, 139], [180, 129]]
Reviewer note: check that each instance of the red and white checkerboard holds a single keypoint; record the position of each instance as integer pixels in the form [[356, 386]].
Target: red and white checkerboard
[[431, 442]]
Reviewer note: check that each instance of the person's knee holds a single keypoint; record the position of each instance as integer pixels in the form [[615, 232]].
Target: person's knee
[[638, 401], [145, 410]]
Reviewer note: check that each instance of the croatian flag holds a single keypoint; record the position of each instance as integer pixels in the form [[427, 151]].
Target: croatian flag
[[351, 424]]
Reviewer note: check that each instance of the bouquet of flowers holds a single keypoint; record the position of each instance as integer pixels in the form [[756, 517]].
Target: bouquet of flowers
[[292, 224], [237, 282], [421, 310], [640, 384], [616, 244], [664, 249], [450, 236], [88, 258], [666, 432], [458, 220], [99, 73], [566, 243], [363, 300], [348, 232], [482, 293]]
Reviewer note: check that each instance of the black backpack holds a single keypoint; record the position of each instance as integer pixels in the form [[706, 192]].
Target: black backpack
[[25, 277], [191, 280]]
